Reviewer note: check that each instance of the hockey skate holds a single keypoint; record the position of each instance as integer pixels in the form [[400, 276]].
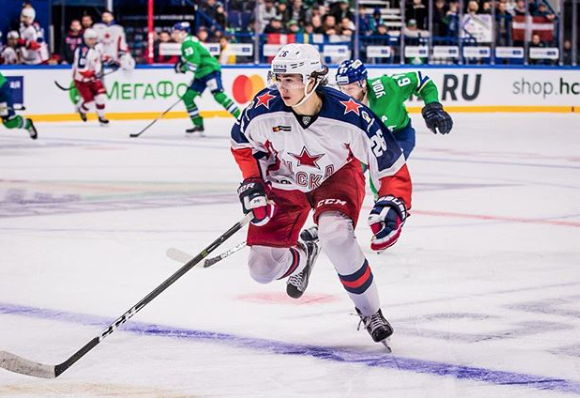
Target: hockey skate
[[195, 129], [31, 129], [378, 327], [82, 115], [297, 284], [103, 121]]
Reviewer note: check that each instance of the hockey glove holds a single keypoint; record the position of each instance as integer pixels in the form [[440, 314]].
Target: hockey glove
[[436, 119], [253, 194], [178, 67], [386, 221]]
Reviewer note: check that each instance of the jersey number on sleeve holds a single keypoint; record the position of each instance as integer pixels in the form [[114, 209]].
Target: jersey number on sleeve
[[379, 144]]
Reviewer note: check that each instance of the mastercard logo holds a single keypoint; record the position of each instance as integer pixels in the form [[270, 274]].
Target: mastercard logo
[[245, 87]]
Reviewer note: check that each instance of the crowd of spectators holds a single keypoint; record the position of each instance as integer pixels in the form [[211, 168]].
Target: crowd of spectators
[[238, 20]]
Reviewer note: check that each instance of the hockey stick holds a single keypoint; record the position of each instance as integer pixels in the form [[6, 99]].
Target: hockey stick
[[183, 257], [98, 77], [134, 135], [17, 364]]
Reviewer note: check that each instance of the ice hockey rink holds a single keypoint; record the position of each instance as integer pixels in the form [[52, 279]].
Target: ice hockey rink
[[483, 288]]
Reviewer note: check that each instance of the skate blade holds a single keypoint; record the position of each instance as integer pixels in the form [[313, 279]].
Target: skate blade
[[387, 343]]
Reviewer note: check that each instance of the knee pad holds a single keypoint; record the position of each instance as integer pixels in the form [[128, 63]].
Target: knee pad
[[264, 263], [189, 97], [337, 239]]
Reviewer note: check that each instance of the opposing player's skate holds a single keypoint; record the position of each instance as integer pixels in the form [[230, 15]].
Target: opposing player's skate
[[103, 121], [31, 129], [378, 327], [195, 129], [297, 284]]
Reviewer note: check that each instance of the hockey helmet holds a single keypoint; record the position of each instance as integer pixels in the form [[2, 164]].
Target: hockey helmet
[[90, 34], [350, 71], [29, 13], [183, 26], [300, 59]]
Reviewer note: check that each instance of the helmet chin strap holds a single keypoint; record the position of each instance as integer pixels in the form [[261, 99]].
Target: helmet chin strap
[[306, 94]]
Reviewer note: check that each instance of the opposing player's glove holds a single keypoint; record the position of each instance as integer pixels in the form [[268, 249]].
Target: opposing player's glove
[[436, 119], [178, 67], [253, 194], [386, 221]]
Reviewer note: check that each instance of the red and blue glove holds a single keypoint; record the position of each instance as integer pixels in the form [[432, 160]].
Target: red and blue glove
[[253, 194], [386, 221]]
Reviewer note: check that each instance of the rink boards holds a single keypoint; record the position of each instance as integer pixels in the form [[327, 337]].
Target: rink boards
[[147, 91]]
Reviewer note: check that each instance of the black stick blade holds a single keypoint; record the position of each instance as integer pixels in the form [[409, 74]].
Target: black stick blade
[[17, 364]]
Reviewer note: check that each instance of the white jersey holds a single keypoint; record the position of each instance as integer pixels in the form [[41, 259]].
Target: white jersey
[[35, 51], [296, 153], [9, 56], [88, 63], [112, 37]]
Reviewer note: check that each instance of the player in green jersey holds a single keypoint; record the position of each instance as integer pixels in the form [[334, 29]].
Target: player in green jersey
[[10, 119], [386, 96], [207, 71]]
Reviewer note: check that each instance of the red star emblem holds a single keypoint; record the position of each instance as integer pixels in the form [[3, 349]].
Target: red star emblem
[[264, 100], [351, 106], [306, 159]]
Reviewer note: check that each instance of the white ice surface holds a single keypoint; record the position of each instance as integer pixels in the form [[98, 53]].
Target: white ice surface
[[485, 276]]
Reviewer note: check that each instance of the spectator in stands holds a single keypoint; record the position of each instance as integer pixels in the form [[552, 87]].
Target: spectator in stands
[[347, 27], [568, 54], [10, 54], [163, 37], [543, 11], [329, 26], [298, 12], [283, 12], [317, 24], [203, 34], [87, 21], [418, 12], [221, 17], [308, 29], [293, 26], [73, 39], [520, 8], [266, 11], [537, 41], [364, 21], [381, 36], [226, 56], [472, 7], [439, 12], [486, 7], [275, 26], [340, 9], [503, 25], [377, 19], [452, 21], [209, 7]]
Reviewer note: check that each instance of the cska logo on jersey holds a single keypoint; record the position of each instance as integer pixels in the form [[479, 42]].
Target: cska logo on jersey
[[264, 100], [351, 106], [306, 159]]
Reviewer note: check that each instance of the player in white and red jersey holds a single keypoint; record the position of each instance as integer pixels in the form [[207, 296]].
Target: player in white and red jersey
[[33, 48], [300, 147], [112, 37], [87, 73]]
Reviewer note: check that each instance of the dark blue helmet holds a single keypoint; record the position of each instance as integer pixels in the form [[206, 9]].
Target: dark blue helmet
[[183, 26], [351, 71]]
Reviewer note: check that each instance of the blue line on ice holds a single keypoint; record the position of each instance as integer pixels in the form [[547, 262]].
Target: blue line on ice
[[351, 356]]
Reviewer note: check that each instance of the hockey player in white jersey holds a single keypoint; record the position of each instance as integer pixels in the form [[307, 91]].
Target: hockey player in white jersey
[[87, 75], [112, 37], [33, 48], [300, 147]]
